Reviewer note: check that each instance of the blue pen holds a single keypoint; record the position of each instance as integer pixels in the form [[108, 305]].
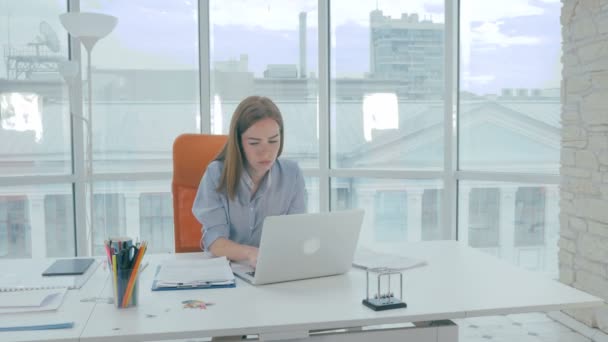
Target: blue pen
[[122, 260]]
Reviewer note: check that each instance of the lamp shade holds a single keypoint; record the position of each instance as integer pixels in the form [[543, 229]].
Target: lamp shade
[[88, 27]]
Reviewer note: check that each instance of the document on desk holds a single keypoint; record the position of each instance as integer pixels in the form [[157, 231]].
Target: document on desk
[[31, 300], [181, 274], [32, 279], [368, 259]]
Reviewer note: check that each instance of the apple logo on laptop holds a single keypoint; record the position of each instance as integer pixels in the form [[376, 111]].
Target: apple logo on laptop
[[311, 246]]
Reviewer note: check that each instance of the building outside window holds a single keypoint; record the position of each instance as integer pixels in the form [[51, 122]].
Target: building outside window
[[391, 216], [110, 219], [484, 218], [431, 222], [59, 221], [156, 220], [14, 227], [530, 216]]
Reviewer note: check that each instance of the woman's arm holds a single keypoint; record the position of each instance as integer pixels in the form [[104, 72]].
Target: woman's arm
[[209, 208], [234, 251]]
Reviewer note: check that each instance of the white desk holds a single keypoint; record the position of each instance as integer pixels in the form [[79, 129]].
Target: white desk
[[71, 310], [458, 282]]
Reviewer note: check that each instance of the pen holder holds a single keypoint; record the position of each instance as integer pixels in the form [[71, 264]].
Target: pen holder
[[125, 285], [125, 259]]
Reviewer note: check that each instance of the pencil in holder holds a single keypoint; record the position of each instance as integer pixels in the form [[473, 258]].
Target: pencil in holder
[[125, 289], [125, 261]]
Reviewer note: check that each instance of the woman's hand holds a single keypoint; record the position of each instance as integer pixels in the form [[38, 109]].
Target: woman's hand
[[252, 256], [234, 251]]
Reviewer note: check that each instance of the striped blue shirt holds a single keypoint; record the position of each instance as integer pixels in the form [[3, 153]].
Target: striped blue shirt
[[281, 192]]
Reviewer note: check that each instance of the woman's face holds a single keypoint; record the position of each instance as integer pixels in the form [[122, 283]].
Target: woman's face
[[261, 142]]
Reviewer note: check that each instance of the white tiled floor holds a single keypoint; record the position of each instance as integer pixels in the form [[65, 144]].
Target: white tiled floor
[[532, 327]]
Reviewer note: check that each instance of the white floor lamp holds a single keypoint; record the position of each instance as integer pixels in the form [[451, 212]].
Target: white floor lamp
[[89, 28]]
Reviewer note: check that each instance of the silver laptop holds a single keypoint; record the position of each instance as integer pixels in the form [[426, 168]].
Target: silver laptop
[[304, 246]]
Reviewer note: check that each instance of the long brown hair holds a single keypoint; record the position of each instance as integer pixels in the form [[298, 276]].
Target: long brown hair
[[248, 112]]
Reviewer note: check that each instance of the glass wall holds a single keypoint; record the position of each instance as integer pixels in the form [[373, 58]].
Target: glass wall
[[34, 114], [518, 222], [386, 103], [145, 93], [510, 86], [509, 122], [36, 221], [396, 210], [145, 84], [387, 85], [267, 48]]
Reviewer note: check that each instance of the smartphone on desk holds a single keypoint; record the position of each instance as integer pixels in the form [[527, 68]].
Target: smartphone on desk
[[62, 267]]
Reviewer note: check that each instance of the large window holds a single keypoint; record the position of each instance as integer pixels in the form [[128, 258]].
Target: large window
[[145, 84], [267, 48], [34, 114], [36, 221], [509, 123], [436, 136], [387, 85], [510, 86], [515, 221], [396, 210]]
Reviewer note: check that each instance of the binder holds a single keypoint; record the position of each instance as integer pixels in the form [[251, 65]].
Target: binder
[[156, 287], [193, 274]]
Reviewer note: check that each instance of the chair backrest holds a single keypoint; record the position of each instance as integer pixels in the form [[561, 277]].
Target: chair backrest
[[191, 155]]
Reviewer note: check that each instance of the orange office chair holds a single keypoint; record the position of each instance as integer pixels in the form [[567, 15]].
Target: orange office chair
[[191, 155]]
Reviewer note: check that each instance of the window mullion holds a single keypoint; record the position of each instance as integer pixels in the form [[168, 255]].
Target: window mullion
[[324, 105], [451, 55], [204, 49]]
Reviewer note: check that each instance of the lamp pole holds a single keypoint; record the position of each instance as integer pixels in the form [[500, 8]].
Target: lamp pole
[[88, 28], [89, 123]]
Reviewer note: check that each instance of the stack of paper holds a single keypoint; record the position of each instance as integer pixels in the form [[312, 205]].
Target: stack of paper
[[368, 259], [31, 300], [177, 274]]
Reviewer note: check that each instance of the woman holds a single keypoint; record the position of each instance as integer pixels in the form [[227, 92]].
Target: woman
[[247, 182]]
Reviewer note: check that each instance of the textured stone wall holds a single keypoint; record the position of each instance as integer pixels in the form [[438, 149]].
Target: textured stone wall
[[583, 243]]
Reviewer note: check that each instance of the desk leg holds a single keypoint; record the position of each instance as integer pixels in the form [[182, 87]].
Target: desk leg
[[447, 331]]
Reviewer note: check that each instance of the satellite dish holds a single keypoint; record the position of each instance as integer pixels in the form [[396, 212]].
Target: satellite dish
[[49, 37]]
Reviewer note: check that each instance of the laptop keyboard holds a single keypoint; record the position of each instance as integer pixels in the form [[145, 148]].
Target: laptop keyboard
[[251, 273]]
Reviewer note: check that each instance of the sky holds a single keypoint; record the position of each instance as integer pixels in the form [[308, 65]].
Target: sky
[[504, 44]]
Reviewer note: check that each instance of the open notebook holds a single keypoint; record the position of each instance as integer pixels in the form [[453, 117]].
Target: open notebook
[[33, 300], [29, 277]]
